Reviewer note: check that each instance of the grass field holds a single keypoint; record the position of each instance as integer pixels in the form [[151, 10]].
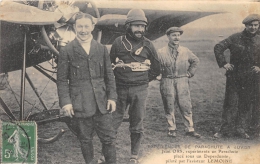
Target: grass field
[[207, 94]]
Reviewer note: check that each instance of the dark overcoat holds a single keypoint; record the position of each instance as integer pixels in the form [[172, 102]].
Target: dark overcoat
[[85, 80], [241, 81], [244, 52]]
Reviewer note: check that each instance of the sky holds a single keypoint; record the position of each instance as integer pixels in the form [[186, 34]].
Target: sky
[[220, 25], [233, 13]]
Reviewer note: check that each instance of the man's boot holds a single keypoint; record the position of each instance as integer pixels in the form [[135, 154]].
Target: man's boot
[[109, 151], [136, 139], [87, 152]]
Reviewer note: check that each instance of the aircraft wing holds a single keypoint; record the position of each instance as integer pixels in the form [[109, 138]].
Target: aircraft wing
[[160, 17], [23, 14], [159, 22]]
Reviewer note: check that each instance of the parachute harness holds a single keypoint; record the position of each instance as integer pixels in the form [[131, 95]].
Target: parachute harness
[[135, 66], [131, 47]]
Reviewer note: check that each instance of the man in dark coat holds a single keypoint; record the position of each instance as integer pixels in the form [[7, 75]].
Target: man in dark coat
[[86, 89], [136, 63], [242, 76]]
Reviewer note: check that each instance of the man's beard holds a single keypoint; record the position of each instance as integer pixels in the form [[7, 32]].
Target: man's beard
[[132, 34]]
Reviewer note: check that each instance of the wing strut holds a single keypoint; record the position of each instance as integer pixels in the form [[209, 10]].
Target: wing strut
[[23, 81], [45, 74]]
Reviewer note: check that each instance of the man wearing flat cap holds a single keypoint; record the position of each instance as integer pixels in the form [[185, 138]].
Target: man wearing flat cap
[[242, 85], [178, 64]]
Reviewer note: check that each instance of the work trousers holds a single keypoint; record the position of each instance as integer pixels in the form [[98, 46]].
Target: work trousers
[[174, 91], [102, 124], [135, 97]]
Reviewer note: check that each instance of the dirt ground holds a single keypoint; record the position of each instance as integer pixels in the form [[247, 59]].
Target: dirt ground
[[207, 94]]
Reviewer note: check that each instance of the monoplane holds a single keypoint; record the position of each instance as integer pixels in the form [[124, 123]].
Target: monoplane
[[33, 32]]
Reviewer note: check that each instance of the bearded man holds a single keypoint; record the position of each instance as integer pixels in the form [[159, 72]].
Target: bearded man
[[136, 64]]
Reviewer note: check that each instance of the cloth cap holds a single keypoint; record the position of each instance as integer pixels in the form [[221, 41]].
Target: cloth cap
[[136, 16], [250, 18], [174, 29]]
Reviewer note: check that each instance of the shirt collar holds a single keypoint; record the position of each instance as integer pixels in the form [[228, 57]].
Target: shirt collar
[[173, 46]]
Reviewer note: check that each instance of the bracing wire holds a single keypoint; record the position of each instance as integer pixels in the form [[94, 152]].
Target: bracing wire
[[15, 94]]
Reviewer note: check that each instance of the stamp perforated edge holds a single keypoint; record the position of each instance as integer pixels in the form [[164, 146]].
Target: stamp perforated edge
[[36, 142], [1, 147]]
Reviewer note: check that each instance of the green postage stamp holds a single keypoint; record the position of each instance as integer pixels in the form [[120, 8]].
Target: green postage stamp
[[18, 142]]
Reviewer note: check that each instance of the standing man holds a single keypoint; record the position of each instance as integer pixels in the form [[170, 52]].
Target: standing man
[[242, 76], [178, 64], [135, 64], [86, 89]]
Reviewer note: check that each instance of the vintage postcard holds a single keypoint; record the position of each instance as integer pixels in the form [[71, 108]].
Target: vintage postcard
[[182, 76]]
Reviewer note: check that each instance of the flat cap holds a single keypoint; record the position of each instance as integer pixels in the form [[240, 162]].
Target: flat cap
[[174, 29], [250, 18]]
